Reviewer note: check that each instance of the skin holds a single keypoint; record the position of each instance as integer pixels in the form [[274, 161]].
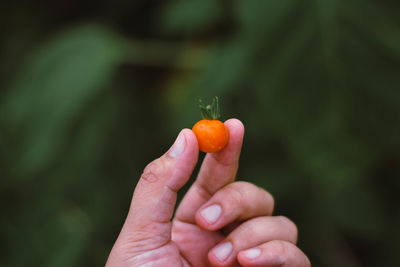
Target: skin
[[244, 234]]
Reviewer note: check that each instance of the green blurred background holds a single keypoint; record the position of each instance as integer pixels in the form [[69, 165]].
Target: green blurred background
[[91, 91]]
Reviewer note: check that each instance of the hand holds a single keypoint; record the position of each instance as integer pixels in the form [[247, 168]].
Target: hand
[[219, 222]]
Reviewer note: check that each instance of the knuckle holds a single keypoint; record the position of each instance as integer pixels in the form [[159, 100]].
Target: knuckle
[[243, 189], [152, 172], [140, 239], [235, 196], [237, 192], [291, 228], [279, 247], [270, 200], [257, 194]]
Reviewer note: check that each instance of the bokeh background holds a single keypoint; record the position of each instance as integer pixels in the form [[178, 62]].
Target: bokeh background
[[91, 91]]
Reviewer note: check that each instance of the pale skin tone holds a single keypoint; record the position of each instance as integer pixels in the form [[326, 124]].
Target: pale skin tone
[[220, 221]]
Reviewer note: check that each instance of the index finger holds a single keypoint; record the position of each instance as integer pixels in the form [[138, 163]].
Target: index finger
[[217, 170]]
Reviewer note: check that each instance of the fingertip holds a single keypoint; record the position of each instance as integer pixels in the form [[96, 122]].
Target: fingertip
[[235, 127], [200, 220], [249, 257], [191, 139], [231, 151], [208, 217], [236, 132], [192, 148], [274, 253], [234, 124], [222, 254], [191, 145]]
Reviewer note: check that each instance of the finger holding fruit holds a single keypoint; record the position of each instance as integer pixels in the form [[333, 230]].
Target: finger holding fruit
[[219, 222]]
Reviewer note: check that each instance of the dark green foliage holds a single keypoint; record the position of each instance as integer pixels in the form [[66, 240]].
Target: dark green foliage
[[91, 93]]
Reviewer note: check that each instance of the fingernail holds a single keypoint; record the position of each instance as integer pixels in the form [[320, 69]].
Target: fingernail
[[222, 251], [252, 253], [178, 147], [211, 213]]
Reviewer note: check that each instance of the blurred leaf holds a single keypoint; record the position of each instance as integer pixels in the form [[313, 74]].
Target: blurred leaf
[[374, 24], [74, 225], [190, 16], [60, 78], [361, 212]]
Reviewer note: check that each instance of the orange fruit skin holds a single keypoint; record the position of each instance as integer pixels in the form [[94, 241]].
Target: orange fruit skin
[[212, 135]]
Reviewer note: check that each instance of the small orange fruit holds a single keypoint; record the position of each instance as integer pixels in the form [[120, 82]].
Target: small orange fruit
[[212, 135]]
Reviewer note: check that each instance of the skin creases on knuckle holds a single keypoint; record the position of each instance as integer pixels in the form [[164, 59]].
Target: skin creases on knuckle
[[279, 248], [237, 194], [142, 239], [246, 193], [291, 228], [154, 171]]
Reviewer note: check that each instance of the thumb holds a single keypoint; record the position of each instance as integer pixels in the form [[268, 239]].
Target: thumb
[[155, 195]]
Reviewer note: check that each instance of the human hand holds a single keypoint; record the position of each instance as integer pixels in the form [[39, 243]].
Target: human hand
[[219, 222]]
